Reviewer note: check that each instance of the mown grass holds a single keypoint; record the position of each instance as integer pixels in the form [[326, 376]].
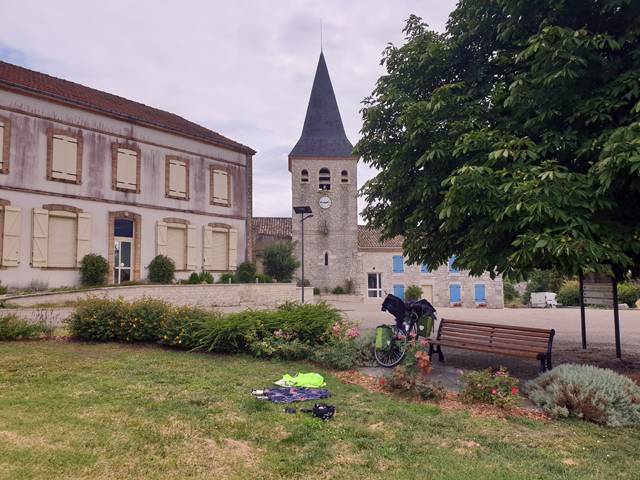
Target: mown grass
[[128, 412]]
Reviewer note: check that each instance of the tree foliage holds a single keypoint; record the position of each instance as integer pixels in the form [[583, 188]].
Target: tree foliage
[[512, 140], [279, 261]]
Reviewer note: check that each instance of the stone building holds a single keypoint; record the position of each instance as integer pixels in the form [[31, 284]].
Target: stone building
[[338, 251], [83, 171]]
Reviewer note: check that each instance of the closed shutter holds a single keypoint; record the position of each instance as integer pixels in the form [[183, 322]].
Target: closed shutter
[[453, 269], [233, 249], [480, 293], [1, 145], [192, 259], [178, 178], [424, 268], [11, 235], [126, 169], [398, 264], [398, 291], [207, 247], [84, 236], [65, 158], [39, 237], [177, 245], [220, 248], [62, 241], [454, 293], [220, 187], [161, 238]]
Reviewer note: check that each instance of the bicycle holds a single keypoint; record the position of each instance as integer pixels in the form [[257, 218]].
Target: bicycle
[[413, 319]]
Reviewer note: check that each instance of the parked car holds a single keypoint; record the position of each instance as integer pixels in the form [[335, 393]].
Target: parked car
[[543, 300]]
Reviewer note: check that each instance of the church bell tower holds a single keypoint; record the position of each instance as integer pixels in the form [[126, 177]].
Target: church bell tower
[[324, 177]]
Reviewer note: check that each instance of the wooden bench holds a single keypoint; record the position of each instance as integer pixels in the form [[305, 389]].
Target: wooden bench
[[507, 340]]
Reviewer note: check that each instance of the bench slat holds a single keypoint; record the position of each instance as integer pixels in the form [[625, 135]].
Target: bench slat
[[488, 343], [496, 325], [516, 344], [478, 348], [499, 336]]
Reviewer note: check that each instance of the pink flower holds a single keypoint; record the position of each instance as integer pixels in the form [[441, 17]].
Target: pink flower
[[514, 391], [424, 342], [494, 391], [336, 329], [382, 381], [353, 332], [278, 333]]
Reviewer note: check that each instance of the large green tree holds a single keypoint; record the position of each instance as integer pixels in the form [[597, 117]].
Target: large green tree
[[512, 140]]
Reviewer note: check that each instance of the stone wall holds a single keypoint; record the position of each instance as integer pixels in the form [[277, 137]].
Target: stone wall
[[215, 295]]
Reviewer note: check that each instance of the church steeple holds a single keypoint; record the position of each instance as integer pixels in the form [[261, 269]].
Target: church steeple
[[323, 133]]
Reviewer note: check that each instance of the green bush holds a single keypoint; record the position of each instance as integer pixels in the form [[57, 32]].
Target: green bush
[[316, 291], [340, 354], [246, 273], [279, 261], [589, 393], [569, 294], [93, 270], [14, 328], [492, 386], [403, 381], [194, 279], [227, 277], [412, 293], [206, 277], [338, 291], [161, 269], [628, 293], [3, 289], [264, 278], [510, 292], [181, 326]]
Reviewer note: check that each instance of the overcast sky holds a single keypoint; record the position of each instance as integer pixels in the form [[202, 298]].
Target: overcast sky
[[241, 68]]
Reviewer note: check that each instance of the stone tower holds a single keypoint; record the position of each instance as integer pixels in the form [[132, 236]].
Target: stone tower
[[324, 177]]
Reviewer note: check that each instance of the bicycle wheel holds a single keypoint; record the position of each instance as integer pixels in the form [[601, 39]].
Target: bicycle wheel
[[393, 355]]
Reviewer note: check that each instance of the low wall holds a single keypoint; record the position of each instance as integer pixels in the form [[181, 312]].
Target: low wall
[[214, 295]]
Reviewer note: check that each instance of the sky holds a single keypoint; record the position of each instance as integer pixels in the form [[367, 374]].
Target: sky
[[242, 68]]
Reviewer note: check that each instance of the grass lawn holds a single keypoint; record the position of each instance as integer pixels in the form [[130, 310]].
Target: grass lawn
[[125, 412]]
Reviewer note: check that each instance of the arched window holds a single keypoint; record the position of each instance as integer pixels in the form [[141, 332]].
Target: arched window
[[344, 176], [324, 179], [326, 258], [304, 176]]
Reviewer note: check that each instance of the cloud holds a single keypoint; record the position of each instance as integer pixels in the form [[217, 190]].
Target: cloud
[[242, 68]]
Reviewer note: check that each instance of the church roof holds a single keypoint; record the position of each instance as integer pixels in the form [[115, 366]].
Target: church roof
[[370, 238], [323, 133], [272, 226]]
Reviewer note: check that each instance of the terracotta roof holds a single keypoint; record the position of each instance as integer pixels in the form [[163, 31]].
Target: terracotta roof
[[23, 79], [370, 238], [272, 226]]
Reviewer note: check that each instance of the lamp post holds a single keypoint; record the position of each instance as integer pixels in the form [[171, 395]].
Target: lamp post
[[305, 212]]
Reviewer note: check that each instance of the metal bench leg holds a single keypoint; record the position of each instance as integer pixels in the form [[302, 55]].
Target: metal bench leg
[[549, 367], [440, 355], [430, 352], [543, 363]]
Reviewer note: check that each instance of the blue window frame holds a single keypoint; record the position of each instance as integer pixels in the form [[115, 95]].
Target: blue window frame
[[424, 269], [453, 269], [454, 293], [398, 264], [479, 293], [398, 291]]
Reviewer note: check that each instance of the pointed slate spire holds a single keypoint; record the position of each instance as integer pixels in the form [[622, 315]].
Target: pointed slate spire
[[323, 133]]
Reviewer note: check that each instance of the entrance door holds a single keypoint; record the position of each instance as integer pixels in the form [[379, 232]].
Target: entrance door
[[427, 293], [123, 254]]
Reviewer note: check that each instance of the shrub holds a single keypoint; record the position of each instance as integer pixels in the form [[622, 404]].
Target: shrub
[[246, 272], [14, 328], [279, 261], [3, 289], [206, 277], [492, 386], [340, 354], [401, 379], [412, 293], [338, 291], [144, 320], [194, 279], [316, 291], [227, 277], [589, 393], [628, 293], [510, 292], [161, 269], [93, 270], [569, 293], [349, 286], [98, 319], [264, 278], [181, 327]]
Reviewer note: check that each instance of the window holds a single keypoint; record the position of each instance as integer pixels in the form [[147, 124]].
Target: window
[[479, 293], [398, 264], [176, 239], [398, 291], [177, 178], [454, 293], [453, 269], [344, 177], [61, 237], [304, 176], [424, 269], [220, 249], [5, 138], [220, 187], [64, 159], [10, 221], [326, 259], [374, 285], [324, 179], [126, 172]]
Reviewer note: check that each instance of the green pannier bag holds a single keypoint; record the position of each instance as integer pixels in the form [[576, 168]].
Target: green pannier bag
[[383, 337], [425, 326]]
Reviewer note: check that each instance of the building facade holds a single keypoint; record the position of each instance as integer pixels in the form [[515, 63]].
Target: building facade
[[338, 251], [83, 171]]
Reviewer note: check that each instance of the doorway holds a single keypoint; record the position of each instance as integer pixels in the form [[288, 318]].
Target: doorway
[[427, 293], [122, 250]]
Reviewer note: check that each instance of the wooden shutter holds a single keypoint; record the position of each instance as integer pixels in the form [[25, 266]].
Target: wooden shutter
[[39, 237], [1, 145], [178, 178], [11, 235], [480, 294], [207, 247], [177, 245], [233, 249], [220, 249], [220, 187], [62, 240], [398, 264], [65, 158], [161, 238], [126, 169], [84, 236], [192, 259]]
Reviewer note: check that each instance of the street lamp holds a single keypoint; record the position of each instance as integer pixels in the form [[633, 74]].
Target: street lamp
[[305, 212]]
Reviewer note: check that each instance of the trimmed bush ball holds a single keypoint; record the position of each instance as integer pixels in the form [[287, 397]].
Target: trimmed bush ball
[[161, 269], [206, 277], [582, 391], [246, 272], [93, 270], [412, 293]]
